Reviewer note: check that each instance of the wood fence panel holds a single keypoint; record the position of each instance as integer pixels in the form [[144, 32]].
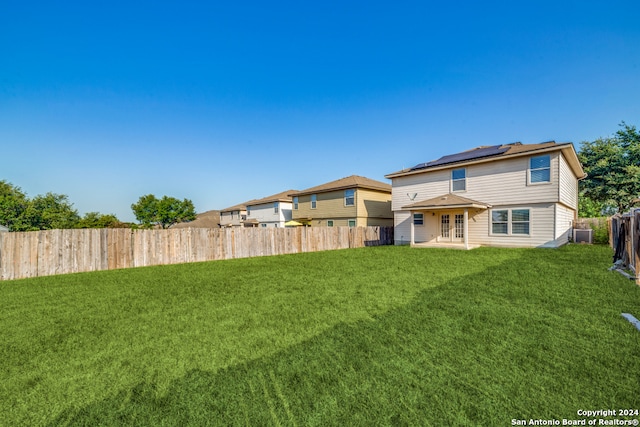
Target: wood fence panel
[[119, 248], [44, 253]]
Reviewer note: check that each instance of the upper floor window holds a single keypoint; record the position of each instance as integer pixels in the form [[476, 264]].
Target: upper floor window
[[295, 203], [248, 210], [540, 169], [349, 197], [314, 201], [459, 180], [276, 207]]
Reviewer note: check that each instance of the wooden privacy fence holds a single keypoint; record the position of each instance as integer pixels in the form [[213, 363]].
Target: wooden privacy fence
[[624, 237], [45, 253]]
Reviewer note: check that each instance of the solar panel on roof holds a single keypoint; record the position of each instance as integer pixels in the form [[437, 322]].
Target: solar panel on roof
[[466, 155]]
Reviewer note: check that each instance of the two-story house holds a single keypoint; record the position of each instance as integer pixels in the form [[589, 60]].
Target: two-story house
[[234, 216], [351, 201], [512, 195], [270, 211]]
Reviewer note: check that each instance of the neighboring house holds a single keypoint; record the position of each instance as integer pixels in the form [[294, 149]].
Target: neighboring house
[[3, 229], [271, 211], [351, 201], [208, 219], [513, 195], [234, 216]]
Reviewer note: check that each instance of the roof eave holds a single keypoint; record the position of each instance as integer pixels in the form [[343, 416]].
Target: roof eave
[[448, 207], [577, 168]]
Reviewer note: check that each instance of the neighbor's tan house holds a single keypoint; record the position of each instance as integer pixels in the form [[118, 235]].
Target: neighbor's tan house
[[512, 195], [351, 201], [234, 216]]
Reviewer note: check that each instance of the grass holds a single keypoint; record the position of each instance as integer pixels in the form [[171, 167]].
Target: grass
[[380, 335]]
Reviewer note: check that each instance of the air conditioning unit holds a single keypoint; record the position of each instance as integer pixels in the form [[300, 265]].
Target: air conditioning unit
[[583, 236]]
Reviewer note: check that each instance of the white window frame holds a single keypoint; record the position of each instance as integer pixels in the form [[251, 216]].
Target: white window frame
[[248, 210], [418, 219], [329, 223], [350, 221], [314, 201], [509, 222], [454, 181], [532, 169], [276, 207], [351, 198]]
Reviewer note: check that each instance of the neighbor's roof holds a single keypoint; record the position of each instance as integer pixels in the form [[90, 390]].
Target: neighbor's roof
[[238, 207], [353, 181], [208, 219], [447, 201], [495, 152], [280, 197]]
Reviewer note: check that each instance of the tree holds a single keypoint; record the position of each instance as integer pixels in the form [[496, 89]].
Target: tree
[[13, 203], [98, 220], [48, 212], [613, 168], [165, 212]]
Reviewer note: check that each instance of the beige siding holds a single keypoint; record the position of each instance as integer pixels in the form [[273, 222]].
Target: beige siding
[[568, 184], [428, 232], [328, 205], [373, 204], [402, 228], [565, 218], [542, 230], [371, 208], [377, 222], [502, 182], [413, 188]]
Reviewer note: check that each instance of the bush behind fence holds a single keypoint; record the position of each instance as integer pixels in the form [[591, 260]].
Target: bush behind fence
[[49, 252]]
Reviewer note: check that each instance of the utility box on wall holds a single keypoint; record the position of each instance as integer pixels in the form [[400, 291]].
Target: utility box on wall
[[583, 235]]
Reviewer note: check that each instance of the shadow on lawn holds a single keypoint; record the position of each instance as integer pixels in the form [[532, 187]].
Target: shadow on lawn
[[456, 355]]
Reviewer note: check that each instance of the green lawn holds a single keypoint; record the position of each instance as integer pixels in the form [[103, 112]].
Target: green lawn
[[371, 336]]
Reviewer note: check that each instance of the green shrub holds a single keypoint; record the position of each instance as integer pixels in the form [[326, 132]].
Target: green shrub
[[600, 233]]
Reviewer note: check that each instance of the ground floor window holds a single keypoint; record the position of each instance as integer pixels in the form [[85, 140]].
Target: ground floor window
[[510, 221], [329, 223], [418, 219], [352, 223]]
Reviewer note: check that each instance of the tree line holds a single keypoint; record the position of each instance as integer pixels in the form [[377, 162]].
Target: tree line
[[19, 212]]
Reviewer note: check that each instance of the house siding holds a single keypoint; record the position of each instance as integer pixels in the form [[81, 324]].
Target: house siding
[[541, 231], [402, 227], [374, 207], [328, 205], [565, 218], [264, 213], [371, 208], [502, 182], [568, 184]]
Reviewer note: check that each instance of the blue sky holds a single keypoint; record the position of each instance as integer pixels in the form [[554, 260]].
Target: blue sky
[[222, 102]]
